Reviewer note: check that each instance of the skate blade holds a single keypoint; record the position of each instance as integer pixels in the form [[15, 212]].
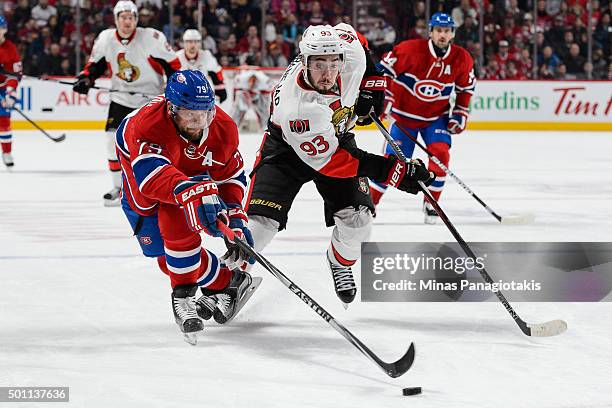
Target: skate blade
[[247, 295], [191, 338]]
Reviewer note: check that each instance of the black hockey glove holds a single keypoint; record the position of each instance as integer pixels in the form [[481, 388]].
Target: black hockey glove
[[406, 176], [222, 94], [371, 97], [82, 85]]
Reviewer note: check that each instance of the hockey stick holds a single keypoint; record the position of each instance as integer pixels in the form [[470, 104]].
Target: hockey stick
[[59, 138], [551, 328], [517, 219], [59, 81], [393, 370]]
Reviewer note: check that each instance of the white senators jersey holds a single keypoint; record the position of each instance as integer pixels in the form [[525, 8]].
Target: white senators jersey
[[311, 121], [137, 64], [203, 62]]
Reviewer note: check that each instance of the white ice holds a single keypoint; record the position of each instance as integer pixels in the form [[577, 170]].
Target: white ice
[[81, 307]]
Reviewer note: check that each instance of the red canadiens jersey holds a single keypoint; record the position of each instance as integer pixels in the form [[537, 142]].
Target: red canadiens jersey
[[9, 62], [155, 157], [422, 82]]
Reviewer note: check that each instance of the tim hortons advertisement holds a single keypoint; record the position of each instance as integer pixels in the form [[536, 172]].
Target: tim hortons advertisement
[[496, 105]]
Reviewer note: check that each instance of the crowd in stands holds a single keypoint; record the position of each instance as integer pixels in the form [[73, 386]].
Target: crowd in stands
[[45, 31]]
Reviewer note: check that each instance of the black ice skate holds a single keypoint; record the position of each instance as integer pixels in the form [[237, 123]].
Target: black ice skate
[[231, 299], [184, 308], [112, 198], [344, 284], [431, 216], [205, 305], [7, 159]]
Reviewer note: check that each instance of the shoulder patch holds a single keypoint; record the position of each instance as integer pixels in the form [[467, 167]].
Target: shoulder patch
[[299, 126]]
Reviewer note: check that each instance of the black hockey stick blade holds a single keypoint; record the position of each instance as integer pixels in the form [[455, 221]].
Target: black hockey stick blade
[[402, 365]]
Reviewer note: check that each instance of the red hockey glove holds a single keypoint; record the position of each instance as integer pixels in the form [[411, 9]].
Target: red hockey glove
[[406, 176], [200, 201], [457, 123], [235, 257]]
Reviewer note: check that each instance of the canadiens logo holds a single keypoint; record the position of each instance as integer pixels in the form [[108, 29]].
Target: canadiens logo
[[428, 90], [146, 240], [127, 71], [191, 152], [181, 78], [299, 125]]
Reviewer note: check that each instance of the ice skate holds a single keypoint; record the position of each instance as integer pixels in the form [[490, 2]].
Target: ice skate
[[184, 308], [431, 216], [344, 284], [205, 306], [231, 299], [7, 159], [112, 198]]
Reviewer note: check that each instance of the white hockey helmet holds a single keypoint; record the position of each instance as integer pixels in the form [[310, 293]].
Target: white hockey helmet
[[320, 40], [192, 35], [125, 5]]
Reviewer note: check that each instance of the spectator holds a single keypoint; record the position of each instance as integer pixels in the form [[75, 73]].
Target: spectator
[[603, 32], [42, 12], [52, 60], [513, 73], [492, 70], [460, 12], [275, 57], [419, 31], [467, 32], [561, 72], [270, 29], [175, 32], [22, 13], [245, 42], [548, 62], [315, 16], [208, 42], [503, 56], [290, 29], [599, 64], [575, 62], [145, 17]]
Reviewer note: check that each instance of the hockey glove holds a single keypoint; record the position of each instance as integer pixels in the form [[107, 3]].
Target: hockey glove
[[235, 257], [222, 94], [457, 123], [406, 176], [10, 98], [200, 201], [371, 97], [82, 85]]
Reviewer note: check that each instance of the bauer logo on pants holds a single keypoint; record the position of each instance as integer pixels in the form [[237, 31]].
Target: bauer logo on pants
[[299, 126]]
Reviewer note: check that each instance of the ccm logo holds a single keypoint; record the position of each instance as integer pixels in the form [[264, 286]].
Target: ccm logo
[[398, 172], [198, 190], [375, 83]]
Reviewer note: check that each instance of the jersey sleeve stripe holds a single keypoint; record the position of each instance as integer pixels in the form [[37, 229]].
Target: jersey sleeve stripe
[[144, 171]]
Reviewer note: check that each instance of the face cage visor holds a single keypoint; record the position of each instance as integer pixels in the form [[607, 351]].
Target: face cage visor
[[314, 63], [193, 119]]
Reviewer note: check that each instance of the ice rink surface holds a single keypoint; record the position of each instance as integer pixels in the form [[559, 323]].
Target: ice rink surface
[[81, 307]]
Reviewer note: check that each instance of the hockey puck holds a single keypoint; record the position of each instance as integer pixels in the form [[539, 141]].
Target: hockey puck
[[411, 391]]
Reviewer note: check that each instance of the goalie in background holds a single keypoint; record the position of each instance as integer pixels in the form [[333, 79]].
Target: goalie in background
[[252, 90]]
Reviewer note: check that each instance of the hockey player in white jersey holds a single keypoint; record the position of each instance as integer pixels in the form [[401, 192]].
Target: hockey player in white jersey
[[193, 57], [308, 139], [137, 58], [252, 90]]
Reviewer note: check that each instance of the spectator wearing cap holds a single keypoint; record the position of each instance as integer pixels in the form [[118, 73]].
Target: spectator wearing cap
[[275, 57], [42, 12], [503, 56]]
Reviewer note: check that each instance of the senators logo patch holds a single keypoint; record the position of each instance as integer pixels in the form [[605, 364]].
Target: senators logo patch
[[341, 119], [299, 126], [127, 71]]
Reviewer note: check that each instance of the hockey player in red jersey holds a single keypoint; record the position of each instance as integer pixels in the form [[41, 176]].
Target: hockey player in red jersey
[[137, 59], [9, 62], [308, 139], [181, 171], [423, 74]]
